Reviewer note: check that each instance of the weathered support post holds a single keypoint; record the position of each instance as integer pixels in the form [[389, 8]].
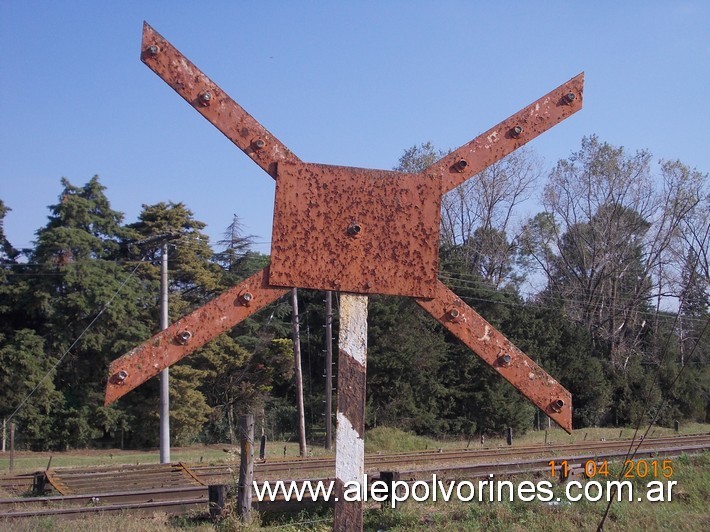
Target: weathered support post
[[328, 369], [350, 434], [262, 447], [12, 445], [298, 374], [262, 444], [39, 483], [390, 478], [217, 494], [509, 437], [246, 466], [164, 374]]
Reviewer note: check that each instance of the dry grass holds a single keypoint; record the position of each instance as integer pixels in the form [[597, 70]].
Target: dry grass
[[380, 439], [688, 511]]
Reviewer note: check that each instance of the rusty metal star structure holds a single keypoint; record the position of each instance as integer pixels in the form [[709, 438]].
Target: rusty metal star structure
[[352, 230]]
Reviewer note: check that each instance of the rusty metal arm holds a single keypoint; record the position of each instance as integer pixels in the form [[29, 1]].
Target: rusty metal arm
[[212, 102], [499, 353], [509, 135], [189, 333]]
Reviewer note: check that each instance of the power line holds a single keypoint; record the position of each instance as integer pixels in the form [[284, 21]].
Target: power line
[[56, 364], [481, 286], [647, 399]]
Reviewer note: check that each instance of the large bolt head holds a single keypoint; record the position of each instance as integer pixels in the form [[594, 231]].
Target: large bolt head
[[354, 229]]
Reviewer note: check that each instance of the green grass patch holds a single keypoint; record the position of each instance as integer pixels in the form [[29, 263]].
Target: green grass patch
[[385, 439]]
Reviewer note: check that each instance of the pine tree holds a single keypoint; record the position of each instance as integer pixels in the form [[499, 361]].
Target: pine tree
[[75, 305]]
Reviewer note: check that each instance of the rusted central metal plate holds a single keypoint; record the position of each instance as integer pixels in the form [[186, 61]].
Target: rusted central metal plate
[[355, 230]]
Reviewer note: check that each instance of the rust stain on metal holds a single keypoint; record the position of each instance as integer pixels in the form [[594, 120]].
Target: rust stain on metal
[[351, 230], [510, 134], [172, 344], [212, 102], [355, 230], [499, 353], [351, 395]]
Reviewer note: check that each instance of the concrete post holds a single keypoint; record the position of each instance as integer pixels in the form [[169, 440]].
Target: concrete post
[[164, 374], [350, 435]]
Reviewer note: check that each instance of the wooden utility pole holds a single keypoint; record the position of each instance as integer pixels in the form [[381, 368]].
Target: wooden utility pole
[[12, 445], [246, 466], [298, 374], [328, 369]]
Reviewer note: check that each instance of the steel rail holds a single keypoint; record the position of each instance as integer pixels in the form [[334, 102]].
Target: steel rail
[[444, 455], [85, 478], [194, 498]]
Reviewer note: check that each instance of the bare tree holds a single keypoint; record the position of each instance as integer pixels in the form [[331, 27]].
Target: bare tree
[[607, 239], [477, 217]]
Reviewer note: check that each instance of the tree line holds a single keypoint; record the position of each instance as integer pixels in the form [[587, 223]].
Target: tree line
[[607, 287]]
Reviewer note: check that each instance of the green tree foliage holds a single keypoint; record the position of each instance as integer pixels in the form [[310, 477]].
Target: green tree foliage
[[607, 239], [8, 254], [8, 263], [235, 381], [25, 369], [617, 238], [405, 357], [72, 303], [193, 277]]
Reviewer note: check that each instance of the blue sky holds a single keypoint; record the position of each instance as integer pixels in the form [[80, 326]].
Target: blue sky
[[350, 83]]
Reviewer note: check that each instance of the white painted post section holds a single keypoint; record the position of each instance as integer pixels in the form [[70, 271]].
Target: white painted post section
[[350, 435]]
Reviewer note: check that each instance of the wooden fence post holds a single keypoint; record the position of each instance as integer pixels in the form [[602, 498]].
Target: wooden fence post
[[218, 497]]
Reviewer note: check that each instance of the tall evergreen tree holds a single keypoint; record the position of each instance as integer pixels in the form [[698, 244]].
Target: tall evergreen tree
[[75, 305]]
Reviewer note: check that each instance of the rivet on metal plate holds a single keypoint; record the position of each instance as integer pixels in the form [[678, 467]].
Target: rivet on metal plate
[[461, 165], [259, 143], [557, 405], [505, 360], [246, 298], [205, 98], [184, 337], [517, 130], [455, 315], [153, 49], [354, 229]]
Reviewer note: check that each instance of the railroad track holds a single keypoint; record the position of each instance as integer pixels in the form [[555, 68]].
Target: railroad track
[[145, 497], [299, 467], [93, 480]]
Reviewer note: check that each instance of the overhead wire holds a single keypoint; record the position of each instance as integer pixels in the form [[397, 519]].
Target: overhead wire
[[76, 341], [631, 452]]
